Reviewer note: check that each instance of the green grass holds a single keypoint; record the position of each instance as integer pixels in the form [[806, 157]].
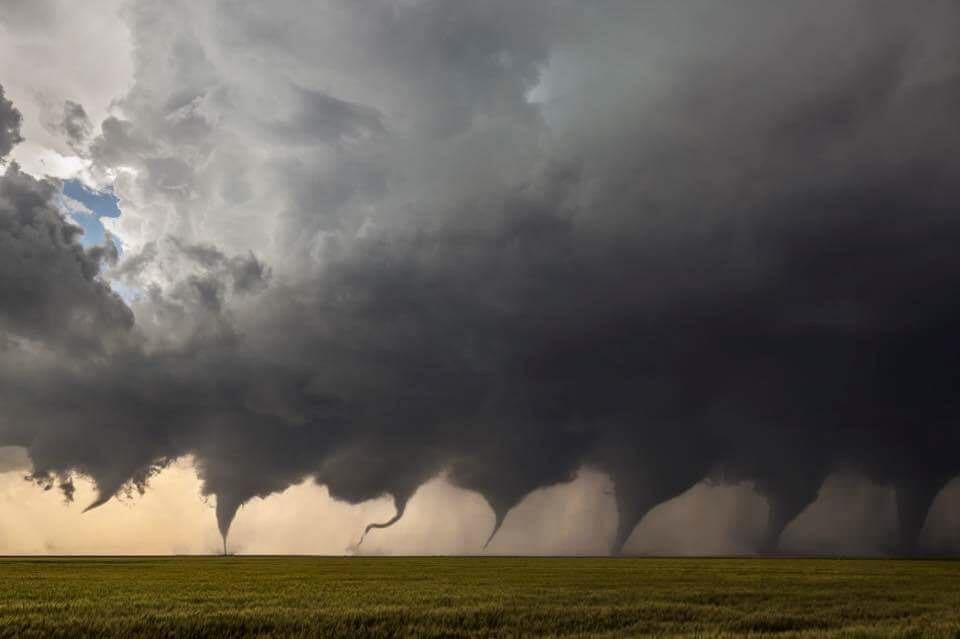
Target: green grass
[[477, 597]]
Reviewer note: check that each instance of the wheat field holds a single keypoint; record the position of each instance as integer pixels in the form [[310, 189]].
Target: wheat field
[[476, 597]]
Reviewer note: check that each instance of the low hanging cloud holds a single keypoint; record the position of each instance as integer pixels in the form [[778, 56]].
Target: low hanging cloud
[[502, 243]]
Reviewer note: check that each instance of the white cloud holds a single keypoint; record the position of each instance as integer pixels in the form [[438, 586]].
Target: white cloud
[[57, 50]]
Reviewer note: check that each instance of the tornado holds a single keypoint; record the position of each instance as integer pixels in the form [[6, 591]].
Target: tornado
[[227, 506], [499, 515], [400, 505], [914, 497], [99, 501], [638, 489], [785, 501]]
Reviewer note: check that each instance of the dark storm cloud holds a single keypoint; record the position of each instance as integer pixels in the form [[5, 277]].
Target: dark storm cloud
[[732, 256], [9, 126], [49, 285]]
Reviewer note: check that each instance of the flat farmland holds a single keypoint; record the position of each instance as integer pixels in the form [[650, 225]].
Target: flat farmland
[[477, 597]]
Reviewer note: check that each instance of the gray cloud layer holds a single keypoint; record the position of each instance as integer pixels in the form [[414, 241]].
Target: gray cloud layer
[[506, 240]]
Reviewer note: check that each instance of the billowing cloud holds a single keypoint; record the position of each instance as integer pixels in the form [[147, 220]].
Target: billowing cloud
[[53, 52], [370, 245], [76, 124], [49, 285], [9, 126]]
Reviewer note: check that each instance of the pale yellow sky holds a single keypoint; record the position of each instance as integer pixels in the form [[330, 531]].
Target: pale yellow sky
[[577, 518]]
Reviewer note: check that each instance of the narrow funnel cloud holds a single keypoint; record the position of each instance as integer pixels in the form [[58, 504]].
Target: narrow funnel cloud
[[914, 497], [227, 507], [498, 516], [785, 504], [400, 505], [634, 501], [788, 488], [99, 501]]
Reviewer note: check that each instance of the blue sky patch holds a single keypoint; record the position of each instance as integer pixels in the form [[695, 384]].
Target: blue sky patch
[[93, 206]]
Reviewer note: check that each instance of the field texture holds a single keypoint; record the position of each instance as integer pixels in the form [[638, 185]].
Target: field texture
[[477, 597]]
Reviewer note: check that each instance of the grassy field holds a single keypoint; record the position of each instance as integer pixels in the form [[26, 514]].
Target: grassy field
[[477, 597]]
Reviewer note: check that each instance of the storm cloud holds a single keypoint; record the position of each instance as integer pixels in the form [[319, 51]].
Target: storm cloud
[[9, 126], [370, 245]]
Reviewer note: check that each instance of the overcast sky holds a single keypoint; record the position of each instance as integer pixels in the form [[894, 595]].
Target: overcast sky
[[524, 277]]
